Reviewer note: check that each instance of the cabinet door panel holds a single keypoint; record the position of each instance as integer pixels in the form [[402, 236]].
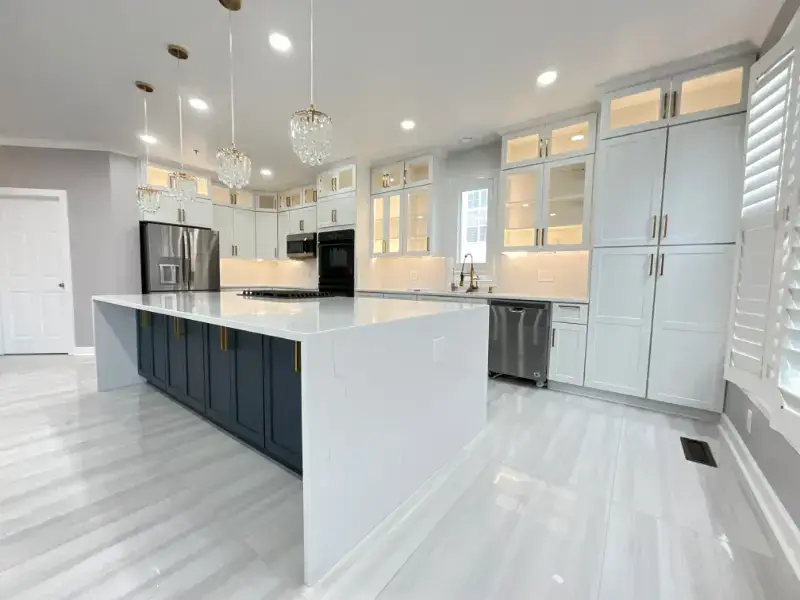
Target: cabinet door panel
[[219, 348], [378, 225], [419, 171], [145, 344], [284, 227], [387, 178], [304, 220], [196, 365], [521, 206], [223, 222], [627, 197], [567, 353], [568, 195], [703, 182], [244, 233], [199, 213], [524, 148], [248, 406], [418, 221], [709, 92], [634, 109], [160, 333], [620, 319], [176, 353], [345, 210], [284, 435], [267, 235], [690, 324]]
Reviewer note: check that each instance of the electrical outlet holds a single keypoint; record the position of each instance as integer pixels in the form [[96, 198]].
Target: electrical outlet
[[413, 275], [749, 420]]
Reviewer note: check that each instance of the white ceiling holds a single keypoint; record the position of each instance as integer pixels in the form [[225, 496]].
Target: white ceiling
[[456, 67]]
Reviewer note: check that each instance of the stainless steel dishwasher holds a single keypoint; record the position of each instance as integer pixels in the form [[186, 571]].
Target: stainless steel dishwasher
[[519, 335]]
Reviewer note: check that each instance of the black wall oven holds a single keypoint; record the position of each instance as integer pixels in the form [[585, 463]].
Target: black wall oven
[[337, 260]]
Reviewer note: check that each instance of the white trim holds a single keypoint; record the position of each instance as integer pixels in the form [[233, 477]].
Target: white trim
[[61, 195], [61, 145], [83, 351], [779, 520]]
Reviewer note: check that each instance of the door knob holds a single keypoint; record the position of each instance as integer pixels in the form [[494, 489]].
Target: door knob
[[61, 285]]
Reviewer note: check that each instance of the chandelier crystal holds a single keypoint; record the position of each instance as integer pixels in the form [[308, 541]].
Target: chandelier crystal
[[182, 185], [311, 131], [233, 165], [148, 198]]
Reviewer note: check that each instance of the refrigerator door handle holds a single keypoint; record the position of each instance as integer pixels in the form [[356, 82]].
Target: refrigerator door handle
[[188, 258]]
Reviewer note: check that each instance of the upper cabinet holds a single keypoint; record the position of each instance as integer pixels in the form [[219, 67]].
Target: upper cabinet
[[386, 219], [159, 178], [699, 94], [268, 202], [338, 180], [547, 207], [555, 141], [291, 199], [402, 174], [309, 195]]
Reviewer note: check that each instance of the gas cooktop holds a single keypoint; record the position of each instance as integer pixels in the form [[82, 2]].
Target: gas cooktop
[[285, 294]]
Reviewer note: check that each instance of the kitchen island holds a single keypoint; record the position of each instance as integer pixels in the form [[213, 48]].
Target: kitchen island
[[365, 398]]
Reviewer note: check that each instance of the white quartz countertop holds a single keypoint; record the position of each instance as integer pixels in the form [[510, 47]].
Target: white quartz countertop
[[483, 295], [290, 319]]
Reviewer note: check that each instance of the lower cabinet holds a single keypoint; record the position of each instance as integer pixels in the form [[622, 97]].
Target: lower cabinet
[[250, 373], [567, 353], [152, 347], [186, 359], [284, 438]]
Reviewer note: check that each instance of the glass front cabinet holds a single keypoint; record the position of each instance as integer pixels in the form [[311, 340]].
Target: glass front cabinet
[[402, 222], [555, 141], [547, 207]]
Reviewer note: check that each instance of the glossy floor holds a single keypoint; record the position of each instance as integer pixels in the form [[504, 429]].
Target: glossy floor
[[128, 495]]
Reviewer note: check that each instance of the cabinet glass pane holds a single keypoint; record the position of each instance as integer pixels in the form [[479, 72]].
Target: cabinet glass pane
[[418, 170], [347, 178], [417, 239], [712, 91], [293, 199], [565, 200], [377, 225], [522, 148], [244, 199], [644, 107], [572, 138], [523, 191], [309, 196], [220, 195], [267, 202], [157, 177], [390, 176], [394, 223], [202, 186]]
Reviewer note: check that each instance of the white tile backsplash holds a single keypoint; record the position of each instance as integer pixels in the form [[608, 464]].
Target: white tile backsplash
[[235, 272]]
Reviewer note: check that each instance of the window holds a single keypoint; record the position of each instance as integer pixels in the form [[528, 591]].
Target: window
[[473, 223]]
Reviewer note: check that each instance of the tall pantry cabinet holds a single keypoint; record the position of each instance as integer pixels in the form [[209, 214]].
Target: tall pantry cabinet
[[666, 208]]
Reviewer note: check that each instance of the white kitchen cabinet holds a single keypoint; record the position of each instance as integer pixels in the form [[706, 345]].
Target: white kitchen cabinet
[[573, 137], [705, 93], [547, 207], [567, 353], [418, 171], [303, 220], [242, 199], [290, 199], [223, 223], [337, 211], [199, 213], [168, 212], [309, 195], [221, 195], [266, 202], [628, 189], [267, 235], [417, 220], [690, 322], [620, 319], [703, 182], [244, 233], [338, 180], [386, 224], [283, 231], [402, 174]]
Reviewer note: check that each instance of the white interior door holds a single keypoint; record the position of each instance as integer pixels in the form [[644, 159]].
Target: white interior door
[[620, 318], [628, 183], [35, 299], [690, 325], [703, 182]]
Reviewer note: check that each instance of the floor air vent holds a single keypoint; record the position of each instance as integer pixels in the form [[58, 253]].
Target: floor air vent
[[698, 451]]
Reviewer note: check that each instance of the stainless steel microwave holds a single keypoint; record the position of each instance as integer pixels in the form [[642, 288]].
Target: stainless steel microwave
[[301, 245]]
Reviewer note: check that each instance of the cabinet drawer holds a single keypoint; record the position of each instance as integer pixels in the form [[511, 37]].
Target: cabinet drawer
[[566, 312]]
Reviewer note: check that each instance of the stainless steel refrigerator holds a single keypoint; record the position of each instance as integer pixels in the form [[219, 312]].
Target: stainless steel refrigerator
[[177, 258]]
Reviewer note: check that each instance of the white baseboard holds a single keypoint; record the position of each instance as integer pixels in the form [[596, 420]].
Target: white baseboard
[[779, 520], [83, 351]]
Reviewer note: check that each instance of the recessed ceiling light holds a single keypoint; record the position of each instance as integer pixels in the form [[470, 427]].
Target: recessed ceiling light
[[408, 124], [577, 137], [198, 104], [280, 42], [266, 173], [148, 139], [547, 78], [552, 214]]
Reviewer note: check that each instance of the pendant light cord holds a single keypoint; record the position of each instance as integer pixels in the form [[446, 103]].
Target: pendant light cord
[[146, 133], [180, 112], [312, 52], [230, 66]]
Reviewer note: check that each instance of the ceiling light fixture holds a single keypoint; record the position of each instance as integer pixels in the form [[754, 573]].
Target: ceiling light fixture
[[408, 125], [182, 185], [233, 165], [198, 104], [552, 214], [279, 42], [547, 78], [311, 130], [578, 137], [266, 173], [148, 198]]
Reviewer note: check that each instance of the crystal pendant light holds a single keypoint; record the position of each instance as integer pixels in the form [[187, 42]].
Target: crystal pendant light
[[182, 185], [147, 197], [311, 130], [233, 165]]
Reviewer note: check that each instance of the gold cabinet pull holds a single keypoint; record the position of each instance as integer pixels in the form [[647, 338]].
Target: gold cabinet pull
[[547, 147], [665, 109], [145, 319], [654, 226], [297, 357], [661, 270], [175, 327], [428, 243], [675, 103], [383, 245], [651, 266], [664, 224], [223, 339], [553, 339]]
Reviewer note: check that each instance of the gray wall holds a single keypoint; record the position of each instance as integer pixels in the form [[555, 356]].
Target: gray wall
[[103, 218], [776, 458]]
